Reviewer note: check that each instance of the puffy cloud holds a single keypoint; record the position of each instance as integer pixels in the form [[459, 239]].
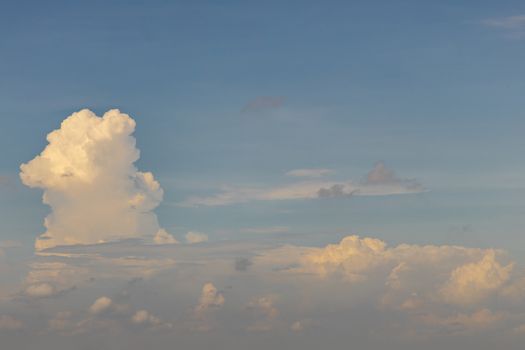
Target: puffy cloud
[[413, 274], [380, 181], [100, 305], [210, 298], [163, 237], [144, 318], [196, 237], [90, 182], [315, 172], [9, 323], [472, 282], [353, 256]]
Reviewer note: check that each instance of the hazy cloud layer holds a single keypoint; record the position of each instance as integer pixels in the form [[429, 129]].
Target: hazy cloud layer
[[426, 290]]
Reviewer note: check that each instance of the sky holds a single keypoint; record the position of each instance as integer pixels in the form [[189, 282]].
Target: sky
[[262, 174]]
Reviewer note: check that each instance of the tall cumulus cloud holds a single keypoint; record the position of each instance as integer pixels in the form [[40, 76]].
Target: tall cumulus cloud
[[95, 192]]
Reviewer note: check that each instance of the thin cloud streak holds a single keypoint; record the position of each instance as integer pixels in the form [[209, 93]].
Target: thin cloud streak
[[380, 181]]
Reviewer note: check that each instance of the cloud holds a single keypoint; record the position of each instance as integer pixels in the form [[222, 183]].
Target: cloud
[[380, 181], [265, 312], [464, 322], [100, 305], [265, 230], [334, 191], [144, 318], [263, 103], [40, 290], [211, 298], [510, 22], [163, 237], [410, 275], [242, 264], [472, 282], [9, 323], [95, 192], [514, 25], [317, 172], [196, 237]]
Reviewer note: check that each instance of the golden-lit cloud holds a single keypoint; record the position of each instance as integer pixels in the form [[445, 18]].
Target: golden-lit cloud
[[89, 179]]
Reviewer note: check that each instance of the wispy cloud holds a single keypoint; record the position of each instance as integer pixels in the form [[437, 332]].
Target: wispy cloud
[[380, 181], [264, 102], [264, 230], [313, 172], [514, 25]]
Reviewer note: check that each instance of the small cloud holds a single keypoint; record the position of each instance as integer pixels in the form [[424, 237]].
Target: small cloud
[[310, 172], [334, 191], [264, 102], [242, 264], [509, 22], [40, 290], [9, 323], [144, 317], [163, 237], [196, 237], [101, 305], [514, 25], [382, 175], [211, 299]]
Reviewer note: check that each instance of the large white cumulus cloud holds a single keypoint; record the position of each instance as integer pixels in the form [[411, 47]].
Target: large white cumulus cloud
[[90, 182]]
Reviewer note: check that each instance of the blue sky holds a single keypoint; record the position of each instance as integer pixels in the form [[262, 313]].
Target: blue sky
[[229, 96], [427, 87]]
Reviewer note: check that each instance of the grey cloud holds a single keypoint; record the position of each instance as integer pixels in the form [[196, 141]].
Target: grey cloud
[[242, 264], [337, 190], [263, 102]]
